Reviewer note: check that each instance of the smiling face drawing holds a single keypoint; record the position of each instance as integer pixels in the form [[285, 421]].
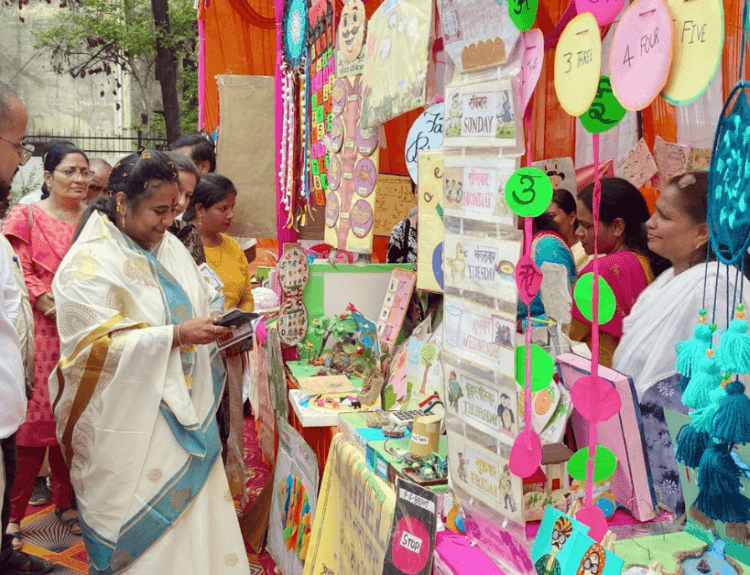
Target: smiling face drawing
[[351, 33]]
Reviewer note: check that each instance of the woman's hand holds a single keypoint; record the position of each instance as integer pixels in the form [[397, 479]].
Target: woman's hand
[[200, 330], [45, 303]]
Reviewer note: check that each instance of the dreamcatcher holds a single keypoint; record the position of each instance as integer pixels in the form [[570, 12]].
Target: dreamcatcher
[[294, 34], [709, 366]]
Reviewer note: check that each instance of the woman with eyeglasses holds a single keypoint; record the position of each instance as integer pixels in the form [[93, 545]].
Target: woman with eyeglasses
[[40, 234]]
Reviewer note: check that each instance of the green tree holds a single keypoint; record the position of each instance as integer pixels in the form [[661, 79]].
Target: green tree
[[427, 356], [105, 36]]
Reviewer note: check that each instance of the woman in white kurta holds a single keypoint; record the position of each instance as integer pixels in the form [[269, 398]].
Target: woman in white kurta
[[137, 387]]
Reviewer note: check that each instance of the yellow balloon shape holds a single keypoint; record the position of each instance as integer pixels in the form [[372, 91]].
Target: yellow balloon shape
[[698, 44], [578, 62]]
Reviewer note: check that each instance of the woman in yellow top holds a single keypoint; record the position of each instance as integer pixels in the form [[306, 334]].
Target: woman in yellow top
[[211, 210]]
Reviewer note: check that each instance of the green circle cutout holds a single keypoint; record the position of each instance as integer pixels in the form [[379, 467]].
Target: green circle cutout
[[542, 367], [605, 111], [605, 464], [523, 13], [582, 294], [528, 192]]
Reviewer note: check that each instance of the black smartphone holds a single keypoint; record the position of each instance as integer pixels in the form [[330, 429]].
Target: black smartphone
[[236, 318]]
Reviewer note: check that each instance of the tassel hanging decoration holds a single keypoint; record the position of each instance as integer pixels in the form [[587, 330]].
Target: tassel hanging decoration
[[719, 486], [691, 444], [731, 424], [704, 381], [690, 352], [734, 348]]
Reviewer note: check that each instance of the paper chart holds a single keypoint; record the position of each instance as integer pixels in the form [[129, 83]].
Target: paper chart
[[480, 334], [475, 189], [431, 228], [395, 306], [482, 265], [480, 115]]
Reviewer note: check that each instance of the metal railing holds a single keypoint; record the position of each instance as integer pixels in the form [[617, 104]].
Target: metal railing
[[97, 144]]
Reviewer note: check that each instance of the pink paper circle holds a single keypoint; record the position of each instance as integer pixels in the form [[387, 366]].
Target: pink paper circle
[[338, 97], [604, 12], [334, 172], [365, 177], [594, 517], [528, 279], [526, 454], [410, 553], [595, 399], [367, 140], [641, 54], [360, 217], [337, 134], [332, 210], [531, 65]]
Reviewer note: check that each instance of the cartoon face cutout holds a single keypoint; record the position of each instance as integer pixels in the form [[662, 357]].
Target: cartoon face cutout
[[593, 561], [351, 32], [561, 532]]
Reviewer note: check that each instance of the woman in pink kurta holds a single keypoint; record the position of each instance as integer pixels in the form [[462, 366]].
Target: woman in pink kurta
[[41, 234]]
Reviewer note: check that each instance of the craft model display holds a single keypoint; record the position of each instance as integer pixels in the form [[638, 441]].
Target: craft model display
[[478, 413]]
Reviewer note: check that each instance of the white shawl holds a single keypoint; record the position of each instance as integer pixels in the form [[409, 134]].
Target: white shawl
[[666, 313]]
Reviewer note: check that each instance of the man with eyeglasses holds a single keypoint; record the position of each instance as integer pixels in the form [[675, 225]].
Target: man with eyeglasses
[[13, 119]]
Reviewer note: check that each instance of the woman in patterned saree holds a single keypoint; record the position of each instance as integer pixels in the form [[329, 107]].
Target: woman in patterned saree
[[136, 389]]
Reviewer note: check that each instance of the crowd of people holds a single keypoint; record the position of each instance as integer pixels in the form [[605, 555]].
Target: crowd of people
[[106, 273]]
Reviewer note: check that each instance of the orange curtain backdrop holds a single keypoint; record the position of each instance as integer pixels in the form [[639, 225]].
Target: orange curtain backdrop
[[236, 45]]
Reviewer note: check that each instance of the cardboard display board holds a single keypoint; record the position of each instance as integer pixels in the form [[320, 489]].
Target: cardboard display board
[[247, 107], [393, 202]]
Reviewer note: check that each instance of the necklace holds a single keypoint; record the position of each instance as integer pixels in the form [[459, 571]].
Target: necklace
[[209, 249]]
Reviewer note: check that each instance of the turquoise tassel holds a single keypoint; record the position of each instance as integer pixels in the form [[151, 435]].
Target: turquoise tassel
[[703, 418], [703, 382], [734, 348], [690, 352], [719, 485], [684, 381], [717, 395], [731, 423], [691, 443]]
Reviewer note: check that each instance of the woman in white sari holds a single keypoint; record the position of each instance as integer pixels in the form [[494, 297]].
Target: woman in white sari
[[137, 387], [666, 313]]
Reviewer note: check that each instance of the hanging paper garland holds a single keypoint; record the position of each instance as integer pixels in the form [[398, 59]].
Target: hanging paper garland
[[604, 12], [523, 13], [605, 112], [294, 32], [698, 46], [641, 53], [531, 66], [578, 61]]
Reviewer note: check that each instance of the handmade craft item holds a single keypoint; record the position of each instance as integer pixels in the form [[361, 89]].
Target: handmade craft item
[[394, 309], [531, 66], [395, 78], [321, 76], [480, 115], [350, 39], [425, 134], [353, 168], [711, 382], [478, 34], [393, 203], [578, 59], [638, 166], [294, 272], [605, 111], [561, 172]]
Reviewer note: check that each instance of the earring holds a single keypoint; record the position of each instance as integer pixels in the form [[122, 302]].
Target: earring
[[118, 207]]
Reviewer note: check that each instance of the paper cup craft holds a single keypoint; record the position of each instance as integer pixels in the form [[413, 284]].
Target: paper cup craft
[[698, 45], [365, 177], [641, 53], [578, 61]]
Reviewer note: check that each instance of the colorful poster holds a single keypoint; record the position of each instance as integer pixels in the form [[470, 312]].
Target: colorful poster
[[412, 540], [351, 529], [561, 172], [425, 134], [295, 493], [394, 202], [475, 189], [481, 334], [482, 265], [394, 309], [477, 33], [352, 173], [485, 475], [322, 76], [485, 405], [431, 228], [350, 39], [424, 372], [395, 78], [638, 166], [480, 115]]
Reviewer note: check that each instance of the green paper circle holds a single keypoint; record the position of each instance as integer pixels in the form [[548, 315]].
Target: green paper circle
[[605, 464], [582, 294], [528, 192], [542, 367], [605, 111], [523, 13]]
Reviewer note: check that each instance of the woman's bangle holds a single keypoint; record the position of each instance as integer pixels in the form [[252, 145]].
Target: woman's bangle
[[179, 336]]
